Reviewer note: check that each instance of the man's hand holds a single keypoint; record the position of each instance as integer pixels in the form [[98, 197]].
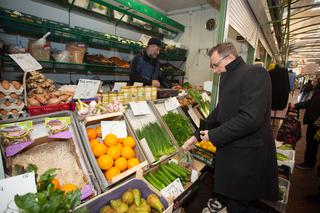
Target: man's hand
[[155, 83], [189, 143], [204, 135]]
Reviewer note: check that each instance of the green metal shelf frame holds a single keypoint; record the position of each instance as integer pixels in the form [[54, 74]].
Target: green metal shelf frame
[[6, 61], [144, 13], [60, 32]]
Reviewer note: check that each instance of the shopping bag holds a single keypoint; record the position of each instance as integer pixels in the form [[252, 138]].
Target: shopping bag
[[290, 130]]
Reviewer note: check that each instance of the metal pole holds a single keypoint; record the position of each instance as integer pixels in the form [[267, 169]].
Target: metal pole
[[288, 32]]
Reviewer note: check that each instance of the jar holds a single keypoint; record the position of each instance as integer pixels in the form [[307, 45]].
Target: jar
[[134, 94], [141, 94], [105, 99], [126, 94], [112, 97], [154, 93], [120, 97], [148, 93]]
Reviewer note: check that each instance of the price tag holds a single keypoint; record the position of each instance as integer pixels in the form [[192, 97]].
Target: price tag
[[145, 39], [147, 150], [173, 190], [26, 62], [194, 175], [139, 108], [137, 84], [118, 128], [86, 191], [9, 187], [205, 97], [194, 117], [87, 88], [62, 135], [14, 149], [207, 86], [171, 104], [118, 85]]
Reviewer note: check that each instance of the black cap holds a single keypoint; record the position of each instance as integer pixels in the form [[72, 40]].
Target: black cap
[[154, 41]]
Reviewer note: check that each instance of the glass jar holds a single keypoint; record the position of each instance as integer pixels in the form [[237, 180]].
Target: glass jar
[[148, 93], [134, 94], [154, 93], [141, 94], [126, 94], [120, 97]]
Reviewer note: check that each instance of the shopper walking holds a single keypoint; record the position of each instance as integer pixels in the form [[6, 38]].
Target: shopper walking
[[245, 166], [292, 79], [311, 115], [306, 89]]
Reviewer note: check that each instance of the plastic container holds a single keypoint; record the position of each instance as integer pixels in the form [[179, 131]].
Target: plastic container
[[40, 110], [62, 56], [134, 94], [126, 94], [141, 94], [154, 93], [76, 51], [148, 93]]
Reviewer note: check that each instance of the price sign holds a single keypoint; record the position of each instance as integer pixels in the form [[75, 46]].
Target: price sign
[[14, 149], [137, 84], [9, 187], [118, 128], [26, 62], [207, 86], [139, 108], [173, 190], [87, 88], [118, 85], [171, 104]]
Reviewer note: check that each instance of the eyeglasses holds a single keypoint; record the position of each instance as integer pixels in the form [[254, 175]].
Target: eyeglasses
[[212, 66]]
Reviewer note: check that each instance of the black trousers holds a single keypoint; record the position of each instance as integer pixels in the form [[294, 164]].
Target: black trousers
[[310, 155]]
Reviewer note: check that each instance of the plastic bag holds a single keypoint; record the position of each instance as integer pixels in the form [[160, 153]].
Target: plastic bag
[[185, 158]]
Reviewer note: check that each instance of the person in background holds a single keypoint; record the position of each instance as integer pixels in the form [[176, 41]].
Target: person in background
[[306, 89], [311, 115], [145, 66], [292, 79], [245, 163]]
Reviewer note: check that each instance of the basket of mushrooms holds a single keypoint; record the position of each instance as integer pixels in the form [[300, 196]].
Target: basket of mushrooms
[[43, 97]]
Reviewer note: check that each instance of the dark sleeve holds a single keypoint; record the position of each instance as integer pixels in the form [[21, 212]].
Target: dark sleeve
[[163, 79], [255, 96], [301, 105], [135, 73], [210, 122]]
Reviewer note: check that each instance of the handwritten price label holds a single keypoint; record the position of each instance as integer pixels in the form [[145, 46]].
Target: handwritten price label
[[14, 149], [173, 190]]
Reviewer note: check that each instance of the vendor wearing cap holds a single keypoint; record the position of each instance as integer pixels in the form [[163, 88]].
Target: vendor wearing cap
[[145, 66]]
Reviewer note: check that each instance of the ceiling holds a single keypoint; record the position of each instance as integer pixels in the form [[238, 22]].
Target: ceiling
[[304, 29], [170, 5]]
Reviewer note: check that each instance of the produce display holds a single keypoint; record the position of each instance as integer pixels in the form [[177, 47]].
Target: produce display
[[132, 202], [42, 91], [114, 155], [166, 174], [179, 126], [207, 145], [158, 141], [97, 108], [204, 105], [282, 157], [50, 196], [204, 151], [11, 99]]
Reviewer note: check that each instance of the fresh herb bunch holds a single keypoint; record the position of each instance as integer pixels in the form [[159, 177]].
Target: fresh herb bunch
[[157, 140], [179, 126], [204, 106], [47, 199]]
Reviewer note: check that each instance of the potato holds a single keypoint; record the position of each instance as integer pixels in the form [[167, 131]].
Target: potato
[[53, 101]]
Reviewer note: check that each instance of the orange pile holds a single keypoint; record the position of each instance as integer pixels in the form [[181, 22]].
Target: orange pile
[[114, 155]]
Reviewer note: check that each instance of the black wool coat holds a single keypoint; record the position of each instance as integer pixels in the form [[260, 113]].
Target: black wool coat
[[246, 165]]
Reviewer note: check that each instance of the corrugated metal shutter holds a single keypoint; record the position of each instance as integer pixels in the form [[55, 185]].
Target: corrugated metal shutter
[[243, 21]]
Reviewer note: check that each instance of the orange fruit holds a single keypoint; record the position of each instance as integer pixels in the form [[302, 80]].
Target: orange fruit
[[68, 187], [91, 133], [98, 131], [112, 172], [114, 152], [121, 163], [119, 145], [127, 152], [55, 183], [105, 162], [94, 142], [110, 140], [99, 149], [129, 141], [120, 140], [133, 162]]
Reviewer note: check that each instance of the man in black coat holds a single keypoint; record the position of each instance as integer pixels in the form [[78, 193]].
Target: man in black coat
[[246, 164]]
